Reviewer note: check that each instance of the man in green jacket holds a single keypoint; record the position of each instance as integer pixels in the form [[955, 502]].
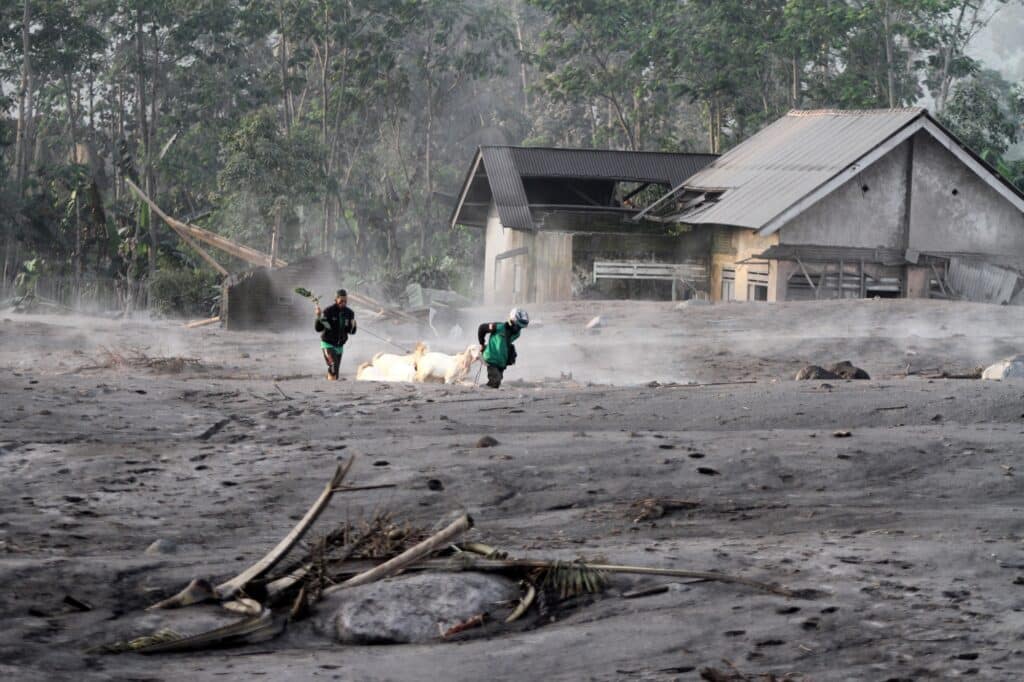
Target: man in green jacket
[[498, 351], [335, 324]]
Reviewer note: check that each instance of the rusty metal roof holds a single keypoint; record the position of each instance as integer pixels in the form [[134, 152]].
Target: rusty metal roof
[[762, 177], [497, 173]]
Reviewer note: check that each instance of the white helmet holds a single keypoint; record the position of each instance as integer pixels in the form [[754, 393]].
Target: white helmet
[[519, 317]]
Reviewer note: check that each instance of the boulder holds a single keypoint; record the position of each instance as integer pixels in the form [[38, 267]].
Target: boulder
[[1010, 368], [162, 546], [814, 372], [415, 608], [847, 370]]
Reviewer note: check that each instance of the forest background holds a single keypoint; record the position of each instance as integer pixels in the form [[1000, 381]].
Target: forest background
[[346, 126]]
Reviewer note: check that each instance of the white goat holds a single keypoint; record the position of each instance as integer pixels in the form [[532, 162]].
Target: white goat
[[449, 369], [367, 372], [391, 367]]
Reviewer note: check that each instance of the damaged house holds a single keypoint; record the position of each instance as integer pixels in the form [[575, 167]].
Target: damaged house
[[852, 204], [555, 218], [264, 298]]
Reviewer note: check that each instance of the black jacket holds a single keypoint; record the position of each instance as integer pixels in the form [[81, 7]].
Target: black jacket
[[335, 324]]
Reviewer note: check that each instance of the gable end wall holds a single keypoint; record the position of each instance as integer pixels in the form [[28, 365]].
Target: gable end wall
[[974, 220], [852, 217]]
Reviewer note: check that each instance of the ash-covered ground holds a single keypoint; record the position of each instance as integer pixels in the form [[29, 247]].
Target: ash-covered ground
[[909, 529]]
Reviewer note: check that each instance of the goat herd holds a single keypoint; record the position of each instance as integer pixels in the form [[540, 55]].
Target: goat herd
[[422, 365]]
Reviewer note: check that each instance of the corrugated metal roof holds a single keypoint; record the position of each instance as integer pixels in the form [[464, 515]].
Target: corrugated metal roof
[[830, 254], [788, 160], [507, 188], [506, 167], [603, 164]]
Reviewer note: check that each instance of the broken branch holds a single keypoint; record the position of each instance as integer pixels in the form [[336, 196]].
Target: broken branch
[[408, 557], [231, 587]]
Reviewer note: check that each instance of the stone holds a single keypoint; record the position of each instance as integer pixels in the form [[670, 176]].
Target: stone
[[162, 546], [814, 372], [1010, 368], [847, 370], [414, 608], [487, 442]]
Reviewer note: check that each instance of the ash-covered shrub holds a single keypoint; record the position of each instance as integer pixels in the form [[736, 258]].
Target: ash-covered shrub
[[184, 292]]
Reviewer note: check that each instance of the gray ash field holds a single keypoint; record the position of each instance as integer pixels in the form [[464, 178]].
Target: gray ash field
[[909, 531]]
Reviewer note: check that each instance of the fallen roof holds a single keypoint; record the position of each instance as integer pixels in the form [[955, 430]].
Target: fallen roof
[[498, 172], [800, 158]]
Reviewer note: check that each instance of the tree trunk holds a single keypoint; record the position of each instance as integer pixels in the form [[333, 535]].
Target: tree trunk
[[522, 63], [151, 145], [24, 104], [275, 237], [282, 54], [325, 62], [143, 137], [947, 59], [794, 98], [429, 177], [890, 66], [72, 133]]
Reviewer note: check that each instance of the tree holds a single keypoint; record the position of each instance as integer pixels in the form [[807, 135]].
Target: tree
[[268, 173], [985, 113]]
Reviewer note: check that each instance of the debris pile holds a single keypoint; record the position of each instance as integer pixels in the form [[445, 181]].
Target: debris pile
[[458, 587], [135, 358], [840, 370]]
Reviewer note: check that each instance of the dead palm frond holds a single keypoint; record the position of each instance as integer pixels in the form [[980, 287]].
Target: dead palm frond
[[571, 578], [138, 643]]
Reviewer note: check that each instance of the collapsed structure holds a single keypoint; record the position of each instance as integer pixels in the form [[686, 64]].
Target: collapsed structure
[[820, 204], [550, 213]]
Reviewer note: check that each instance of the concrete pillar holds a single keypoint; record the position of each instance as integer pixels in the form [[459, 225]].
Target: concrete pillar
[[778, 274]]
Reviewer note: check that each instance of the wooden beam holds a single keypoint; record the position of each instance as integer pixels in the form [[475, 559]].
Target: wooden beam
[[198, 249], [477, 159], [582, 195], [807, 277], [251, 256], [632, 194]]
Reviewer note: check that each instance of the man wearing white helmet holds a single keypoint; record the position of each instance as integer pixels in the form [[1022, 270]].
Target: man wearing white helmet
[[498, 351]]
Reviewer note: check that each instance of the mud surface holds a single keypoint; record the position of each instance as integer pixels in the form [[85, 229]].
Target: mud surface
[[909, 528]]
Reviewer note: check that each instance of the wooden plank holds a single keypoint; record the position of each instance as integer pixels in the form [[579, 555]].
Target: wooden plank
[[202, 323]]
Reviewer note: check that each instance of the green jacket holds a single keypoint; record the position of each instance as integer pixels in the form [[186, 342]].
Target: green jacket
[[502, 337]]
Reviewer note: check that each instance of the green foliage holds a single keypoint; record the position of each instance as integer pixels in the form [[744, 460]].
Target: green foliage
[[183, 292], [347, 124], [28, 277], [983, 120]]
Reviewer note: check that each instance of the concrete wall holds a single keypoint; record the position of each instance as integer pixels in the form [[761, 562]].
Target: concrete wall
[[747, 244], [690, 247], [851, 216], [552, 267], [499, 276], [976, 219]]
